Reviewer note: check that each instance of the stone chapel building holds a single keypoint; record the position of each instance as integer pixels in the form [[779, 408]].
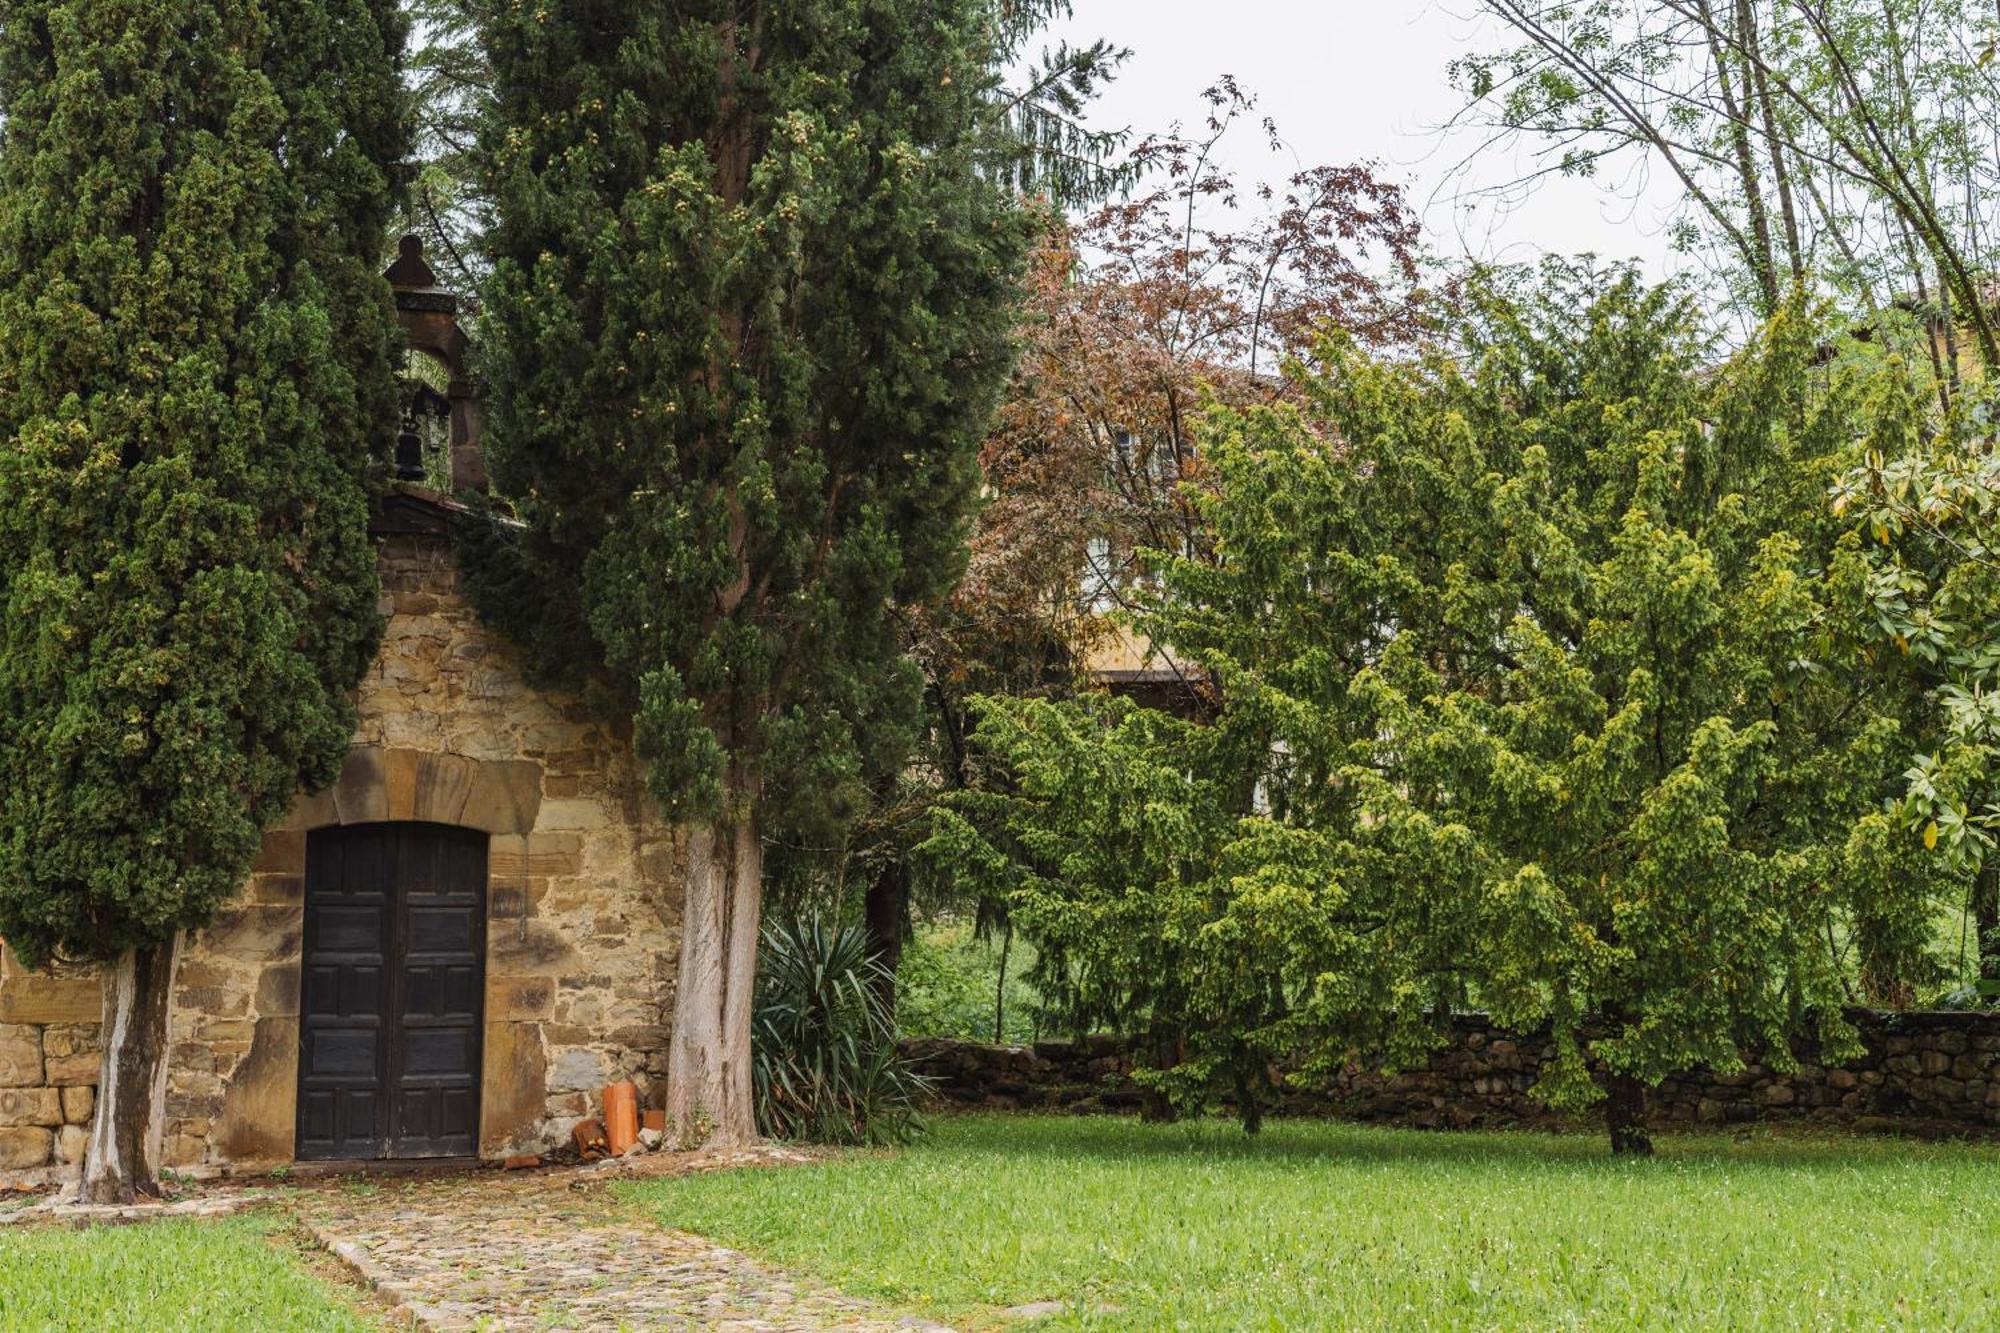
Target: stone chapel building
[[444, 954]]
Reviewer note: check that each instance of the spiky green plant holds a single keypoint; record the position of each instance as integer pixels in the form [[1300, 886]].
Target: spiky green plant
[[823, 1040]]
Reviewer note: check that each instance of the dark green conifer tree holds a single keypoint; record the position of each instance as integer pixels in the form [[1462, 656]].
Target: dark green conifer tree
[[195, 380], [749, 313]]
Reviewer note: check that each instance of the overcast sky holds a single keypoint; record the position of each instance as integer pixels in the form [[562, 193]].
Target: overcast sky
[[1366, 80]]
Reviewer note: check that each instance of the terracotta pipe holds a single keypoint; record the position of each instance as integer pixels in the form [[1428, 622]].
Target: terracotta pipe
[[621, 1116]]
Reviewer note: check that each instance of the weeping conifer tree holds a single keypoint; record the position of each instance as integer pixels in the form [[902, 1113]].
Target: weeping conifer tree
[[748, 318], [195, 376]]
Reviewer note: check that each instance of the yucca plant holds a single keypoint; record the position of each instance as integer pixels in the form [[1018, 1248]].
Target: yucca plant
[[824, 1041]]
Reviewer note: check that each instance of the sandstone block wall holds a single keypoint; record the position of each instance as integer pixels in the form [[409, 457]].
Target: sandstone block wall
[[48, 1067], [583, 911], [1925, 1072]]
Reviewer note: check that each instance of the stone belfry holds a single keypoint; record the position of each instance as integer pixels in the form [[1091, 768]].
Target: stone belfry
[[428, 313]]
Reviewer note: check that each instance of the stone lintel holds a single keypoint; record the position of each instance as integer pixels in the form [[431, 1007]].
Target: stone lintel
[[499, 796], [42, 997]]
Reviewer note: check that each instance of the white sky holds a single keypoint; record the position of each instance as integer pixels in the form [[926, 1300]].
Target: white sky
[[1366, 80]]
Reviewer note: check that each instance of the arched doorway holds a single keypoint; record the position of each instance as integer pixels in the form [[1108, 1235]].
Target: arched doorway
[[392, 991]]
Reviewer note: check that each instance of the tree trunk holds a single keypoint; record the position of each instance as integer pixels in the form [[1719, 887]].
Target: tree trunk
[[709, 1096], [1162, 1051], [1883, 985], [1736, 112], [1774, 141], [1000, 987], [1251, 1087], [885, 910], [1625, 1116], [122, 1159]]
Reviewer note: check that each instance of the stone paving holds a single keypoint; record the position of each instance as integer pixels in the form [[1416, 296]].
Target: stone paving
[[552, 1249], [59, 1208]]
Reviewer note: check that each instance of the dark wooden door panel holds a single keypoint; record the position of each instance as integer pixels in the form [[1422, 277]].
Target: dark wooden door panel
[[342, 1043], [334, 1054], [441, 932], [393, 984], [351, 928]]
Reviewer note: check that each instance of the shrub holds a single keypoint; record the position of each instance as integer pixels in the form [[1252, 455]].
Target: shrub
[[823, 1041], [947, 983]]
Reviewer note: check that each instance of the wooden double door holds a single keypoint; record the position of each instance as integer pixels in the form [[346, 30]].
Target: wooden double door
[[392, 992]]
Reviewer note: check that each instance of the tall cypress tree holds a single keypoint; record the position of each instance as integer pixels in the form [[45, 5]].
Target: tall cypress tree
[[195, 379], [748, 317]]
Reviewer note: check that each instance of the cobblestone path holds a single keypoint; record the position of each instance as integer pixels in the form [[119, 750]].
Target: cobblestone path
[[552, 1250]]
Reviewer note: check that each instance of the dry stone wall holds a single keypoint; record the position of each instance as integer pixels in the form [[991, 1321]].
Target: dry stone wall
[[1924, 1072], [583, 910]]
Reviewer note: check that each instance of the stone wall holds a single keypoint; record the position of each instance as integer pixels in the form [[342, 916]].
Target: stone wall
[[48, 1067], [583, 920], [583, 908], [1926, 1072]]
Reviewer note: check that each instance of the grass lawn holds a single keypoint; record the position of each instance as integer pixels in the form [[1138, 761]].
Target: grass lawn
[[1327, 1225], [235, 1273]]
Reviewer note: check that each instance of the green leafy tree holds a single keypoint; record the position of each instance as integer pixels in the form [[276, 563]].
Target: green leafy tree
[[1651, 729], [1925, 498], [750, 310], [1136, 315], [195, 377], [1844, 145], [1541, 691]]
